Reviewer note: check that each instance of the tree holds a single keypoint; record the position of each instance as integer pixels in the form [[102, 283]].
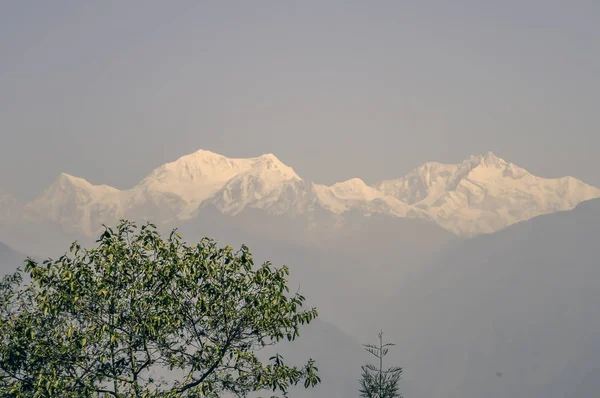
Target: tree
[[144, 316], [376, 382]]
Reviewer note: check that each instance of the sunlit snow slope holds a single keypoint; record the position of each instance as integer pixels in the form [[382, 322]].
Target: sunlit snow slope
[[482, 194]]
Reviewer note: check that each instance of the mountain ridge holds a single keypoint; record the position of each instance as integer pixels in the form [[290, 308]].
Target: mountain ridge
[[481, 194]]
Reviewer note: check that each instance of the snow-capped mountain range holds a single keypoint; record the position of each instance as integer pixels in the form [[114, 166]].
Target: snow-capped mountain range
[[482, 194]]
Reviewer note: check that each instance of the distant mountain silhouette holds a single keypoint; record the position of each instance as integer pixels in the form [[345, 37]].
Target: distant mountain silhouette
[[525, 300], [10, 259]]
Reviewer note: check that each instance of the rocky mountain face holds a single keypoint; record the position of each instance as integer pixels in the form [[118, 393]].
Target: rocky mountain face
[[482, 194]]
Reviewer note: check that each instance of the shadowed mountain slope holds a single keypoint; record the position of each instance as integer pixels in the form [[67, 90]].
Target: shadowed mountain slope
[[523, 302]]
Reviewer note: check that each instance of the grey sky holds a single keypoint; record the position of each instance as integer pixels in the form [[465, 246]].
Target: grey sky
[[109, 90]]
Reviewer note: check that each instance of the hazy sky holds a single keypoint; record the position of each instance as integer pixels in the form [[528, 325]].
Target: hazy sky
[[108, 90]]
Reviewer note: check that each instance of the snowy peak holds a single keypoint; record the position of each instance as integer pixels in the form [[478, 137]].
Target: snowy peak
[[75, 203], [484, 193], [66, 186], [432, 179], [193, 177], [480, 194], [491, 159], [271, 168], [486, 160], [261, 176], [483, 167], [198, 176], [264, 182], [427, 181], [355, 189]]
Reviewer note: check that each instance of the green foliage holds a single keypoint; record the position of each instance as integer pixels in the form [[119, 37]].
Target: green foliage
[[376, 382], [108, 321]]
